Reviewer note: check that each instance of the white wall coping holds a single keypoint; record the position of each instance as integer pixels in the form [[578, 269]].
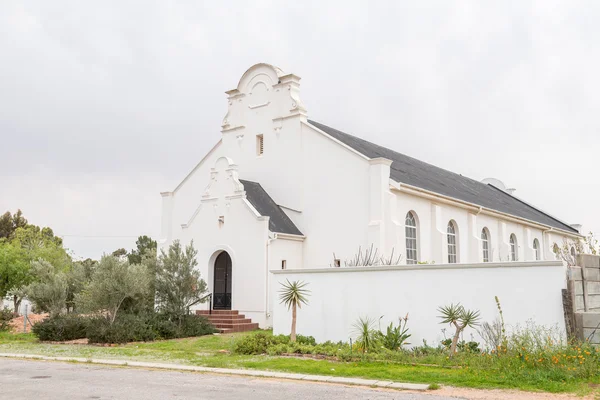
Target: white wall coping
[[508, 264]]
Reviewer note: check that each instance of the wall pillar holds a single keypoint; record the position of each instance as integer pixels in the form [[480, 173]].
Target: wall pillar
[[503, 242], [439, 248], [379, 204], [475, 252]]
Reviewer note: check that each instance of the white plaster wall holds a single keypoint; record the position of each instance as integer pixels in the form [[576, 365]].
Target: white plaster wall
[[339, 296], [336, 197], [433, 218], [282, 249]]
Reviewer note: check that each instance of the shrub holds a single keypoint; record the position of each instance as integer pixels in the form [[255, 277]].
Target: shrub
[[194, 325], [125, 328], [147, 327], [61, 328], [6, 316], [259, 343], [309, 340]]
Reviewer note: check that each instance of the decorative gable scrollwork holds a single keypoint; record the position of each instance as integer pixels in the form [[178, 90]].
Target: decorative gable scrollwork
[[224, 181]]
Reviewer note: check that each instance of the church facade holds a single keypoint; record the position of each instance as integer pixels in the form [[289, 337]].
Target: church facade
[[280, 191]]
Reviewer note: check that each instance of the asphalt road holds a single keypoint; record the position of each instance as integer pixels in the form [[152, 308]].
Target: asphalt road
[[39, 380]]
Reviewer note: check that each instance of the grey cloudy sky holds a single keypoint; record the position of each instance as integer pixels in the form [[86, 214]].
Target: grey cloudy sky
[[89, 92]]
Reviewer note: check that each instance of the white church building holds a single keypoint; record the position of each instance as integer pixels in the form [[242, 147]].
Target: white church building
[[281, 192]]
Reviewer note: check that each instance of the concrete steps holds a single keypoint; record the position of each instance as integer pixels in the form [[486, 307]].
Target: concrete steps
[[228, 321]]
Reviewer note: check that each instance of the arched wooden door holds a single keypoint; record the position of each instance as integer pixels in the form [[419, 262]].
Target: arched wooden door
[[222, 283]]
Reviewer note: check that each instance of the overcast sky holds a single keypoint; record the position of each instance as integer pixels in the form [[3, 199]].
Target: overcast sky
[[105, 105]]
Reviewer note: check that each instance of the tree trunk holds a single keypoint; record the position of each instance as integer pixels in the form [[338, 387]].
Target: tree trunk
[[455, 339], [293, 334], [16, 303]]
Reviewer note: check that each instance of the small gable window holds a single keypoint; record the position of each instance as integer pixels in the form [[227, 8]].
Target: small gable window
[[260, 146], [485, 244], [514, 248], [452, 249]]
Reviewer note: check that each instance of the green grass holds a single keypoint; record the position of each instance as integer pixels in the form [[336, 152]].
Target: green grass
[[205, 351]]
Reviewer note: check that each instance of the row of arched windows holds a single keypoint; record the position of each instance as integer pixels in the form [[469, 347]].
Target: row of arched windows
[[410, 225]]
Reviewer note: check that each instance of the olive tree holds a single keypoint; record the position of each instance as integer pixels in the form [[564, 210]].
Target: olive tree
[[48, 292], [113, 282]]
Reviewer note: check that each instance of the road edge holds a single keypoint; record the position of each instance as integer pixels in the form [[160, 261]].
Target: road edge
[[227, 371]]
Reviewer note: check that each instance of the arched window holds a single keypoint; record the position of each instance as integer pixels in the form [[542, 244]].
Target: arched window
[[536, 249], [410, 230], [485, 244], [514, 248], [573, 253], [452, 248]]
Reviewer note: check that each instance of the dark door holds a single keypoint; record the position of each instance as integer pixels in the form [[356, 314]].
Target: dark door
[[222, 287]]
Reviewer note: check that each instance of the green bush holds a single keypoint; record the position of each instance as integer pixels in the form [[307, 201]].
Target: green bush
[[61, 328], [6, 316], [259, 343], [194, 325], [309, 340], [147, 327], [125, 328]]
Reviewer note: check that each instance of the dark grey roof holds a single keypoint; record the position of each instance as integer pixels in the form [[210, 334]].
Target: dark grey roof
[[263, 203], [417, 173]]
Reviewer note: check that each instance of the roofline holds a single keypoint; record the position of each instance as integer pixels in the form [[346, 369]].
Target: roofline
[[417, 191], [197, 166], [344, 145], [534, 207]]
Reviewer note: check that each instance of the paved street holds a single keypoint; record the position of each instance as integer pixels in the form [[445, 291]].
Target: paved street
[[20, 380]]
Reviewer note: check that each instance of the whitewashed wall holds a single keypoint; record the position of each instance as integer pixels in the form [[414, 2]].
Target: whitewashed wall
[[339, 296]]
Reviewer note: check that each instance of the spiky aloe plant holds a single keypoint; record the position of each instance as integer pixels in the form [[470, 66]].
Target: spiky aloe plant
[[293, 295], [366, 335], [457, 316]]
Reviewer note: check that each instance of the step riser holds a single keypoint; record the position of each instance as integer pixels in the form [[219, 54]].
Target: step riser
[[244, 328], [230, 321], [217, 312], [222, 326]]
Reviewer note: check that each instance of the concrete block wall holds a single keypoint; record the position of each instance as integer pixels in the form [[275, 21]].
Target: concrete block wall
[[588, 326]]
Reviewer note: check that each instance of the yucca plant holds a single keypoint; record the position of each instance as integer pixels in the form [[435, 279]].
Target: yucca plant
[[457, 316], [293, 295], [366, 335]]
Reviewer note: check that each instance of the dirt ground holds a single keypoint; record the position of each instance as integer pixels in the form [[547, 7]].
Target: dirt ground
[[497, 394], [17, 323]]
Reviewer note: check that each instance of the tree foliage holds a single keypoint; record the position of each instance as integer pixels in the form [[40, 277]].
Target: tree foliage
[[144, 246], [50, 288], [112, 283], [178, 284], [14, 268], [10, 222]]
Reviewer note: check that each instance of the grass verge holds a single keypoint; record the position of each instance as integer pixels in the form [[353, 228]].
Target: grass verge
[[213, 351]]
